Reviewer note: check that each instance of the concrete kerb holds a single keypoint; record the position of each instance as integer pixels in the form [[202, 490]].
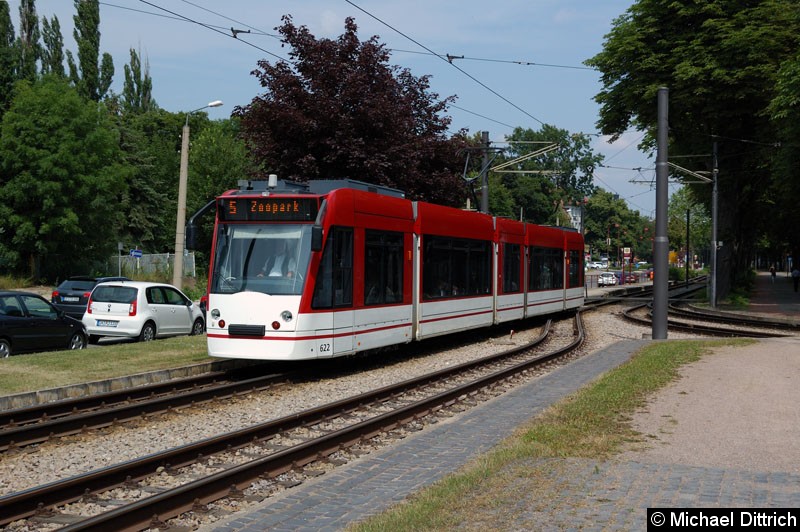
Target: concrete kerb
[[26, 399]]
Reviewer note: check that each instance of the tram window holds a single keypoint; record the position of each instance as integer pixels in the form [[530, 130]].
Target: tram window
[[575, 269], [511, 262], [334, 286], [383, 267], [546, 270], [454, 267]]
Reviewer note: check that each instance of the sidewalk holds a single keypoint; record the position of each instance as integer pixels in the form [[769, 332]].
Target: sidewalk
[[776, 299]]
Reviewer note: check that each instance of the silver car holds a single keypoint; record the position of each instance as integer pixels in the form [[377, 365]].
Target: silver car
[[136, 309], [607, 279]]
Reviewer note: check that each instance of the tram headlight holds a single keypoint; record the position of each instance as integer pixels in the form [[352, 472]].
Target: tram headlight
[[215, 313], [286, 316]]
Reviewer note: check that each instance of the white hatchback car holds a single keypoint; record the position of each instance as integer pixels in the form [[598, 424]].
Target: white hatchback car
[[136, 309]]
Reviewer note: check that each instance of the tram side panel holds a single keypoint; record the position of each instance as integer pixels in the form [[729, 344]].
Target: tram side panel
[[455, 291], [575, 291], [510, 278], [546, 264], [370, 271]]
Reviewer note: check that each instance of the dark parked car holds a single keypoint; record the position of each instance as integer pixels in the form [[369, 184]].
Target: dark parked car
[[72, 295], [28, 322]]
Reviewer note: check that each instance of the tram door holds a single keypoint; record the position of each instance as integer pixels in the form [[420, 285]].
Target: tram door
[[334, 292]]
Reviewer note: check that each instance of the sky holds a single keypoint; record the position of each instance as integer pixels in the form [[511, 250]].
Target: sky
[[522, 60]]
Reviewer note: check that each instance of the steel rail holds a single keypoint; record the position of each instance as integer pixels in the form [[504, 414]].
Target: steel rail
[[152, 510], [699, 329], [721, 317], [35, 413], [12, 437], [27, 502]]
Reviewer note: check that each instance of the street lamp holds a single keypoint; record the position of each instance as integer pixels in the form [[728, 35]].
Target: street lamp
[[177, 274]]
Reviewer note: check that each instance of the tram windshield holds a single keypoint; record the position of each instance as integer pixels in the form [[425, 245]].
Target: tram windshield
[[269, 258]]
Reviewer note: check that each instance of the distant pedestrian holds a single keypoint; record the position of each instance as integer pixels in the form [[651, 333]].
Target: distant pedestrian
[[772, 273], [795, 277]]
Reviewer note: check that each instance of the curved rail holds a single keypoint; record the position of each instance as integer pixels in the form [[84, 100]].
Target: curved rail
[[173, 502]]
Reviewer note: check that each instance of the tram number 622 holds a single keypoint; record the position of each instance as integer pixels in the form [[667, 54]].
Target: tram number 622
[[324, 348]]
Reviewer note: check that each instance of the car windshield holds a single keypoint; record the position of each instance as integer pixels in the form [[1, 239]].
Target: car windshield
[[267, 258]]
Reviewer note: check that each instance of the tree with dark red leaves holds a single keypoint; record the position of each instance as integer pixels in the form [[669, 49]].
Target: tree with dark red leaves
[[338, 110]]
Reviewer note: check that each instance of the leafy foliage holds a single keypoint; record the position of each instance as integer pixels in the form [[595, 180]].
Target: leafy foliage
[[53, 49], [28, 47], [92, 79], [7, 58], [720, 61], [339, 110], [60, 175], [137, 92], [541, 185]]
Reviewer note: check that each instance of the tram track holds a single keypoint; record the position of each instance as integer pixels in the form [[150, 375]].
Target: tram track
[[318, 432], [27, 426], [699, 326], [23, 427]]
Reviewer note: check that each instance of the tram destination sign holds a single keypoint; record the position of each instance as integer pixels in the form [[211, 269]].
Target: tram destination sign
[[270, 209]]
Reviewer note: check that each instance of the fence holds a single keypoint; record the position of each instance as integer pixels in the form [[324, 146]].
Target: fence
[[150, 264]]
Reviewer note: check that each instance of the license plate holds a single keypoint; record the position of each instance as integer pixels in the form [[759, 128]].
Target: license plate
[[71, 299], [106, 323]]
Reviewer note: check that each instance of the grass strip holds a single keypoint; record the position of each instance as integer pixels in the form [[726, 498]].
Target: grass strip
[[592, 423], [40, 371]]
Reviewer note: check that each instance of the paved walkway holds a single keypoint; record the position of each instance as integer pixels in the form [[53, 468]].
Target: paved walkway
[[579, 494]]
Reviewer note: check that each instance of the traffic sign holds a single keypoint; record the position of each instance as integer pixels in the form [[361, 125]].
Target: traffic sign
[[136, 253]]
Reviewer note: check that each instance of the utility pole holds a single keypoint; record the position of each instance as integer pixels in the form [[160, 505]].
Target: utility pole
[[661, 242], [714, 229], [686, 257], [485, 173]]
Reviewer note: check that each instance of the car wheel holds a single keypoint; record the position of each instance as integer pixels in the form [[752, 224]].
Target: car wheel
[[5, 349], [148, 332], [197, 328], [78, 341]]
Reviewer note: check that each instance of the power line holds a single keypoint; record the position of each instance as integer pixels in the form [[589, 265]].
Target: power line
[[178, 18], [481, 116], [225, 31], [259, 32], [212, 28], [470, 76], [450, 59]]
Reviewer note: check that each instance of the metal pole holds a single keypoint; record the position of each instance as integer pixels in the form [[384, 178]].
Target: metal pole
[[686, 257], [714, 194], [661, 243], [177, 274], [485, 173]]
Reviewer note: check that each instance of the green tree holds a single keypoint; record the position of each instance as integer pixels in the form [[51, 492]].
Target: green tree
[[699, 224], [720, 60], [28, 47], [53, 50], [219, 159], [137, 92], [610, 226], [92, 79], [561, 174], [150, 144], [779, 232], [339, 110], [61, 181], [8, 57]]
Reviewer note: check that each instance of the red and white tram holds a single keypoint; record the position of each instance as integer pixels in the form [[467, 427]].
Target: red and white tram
[[367, 268]]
